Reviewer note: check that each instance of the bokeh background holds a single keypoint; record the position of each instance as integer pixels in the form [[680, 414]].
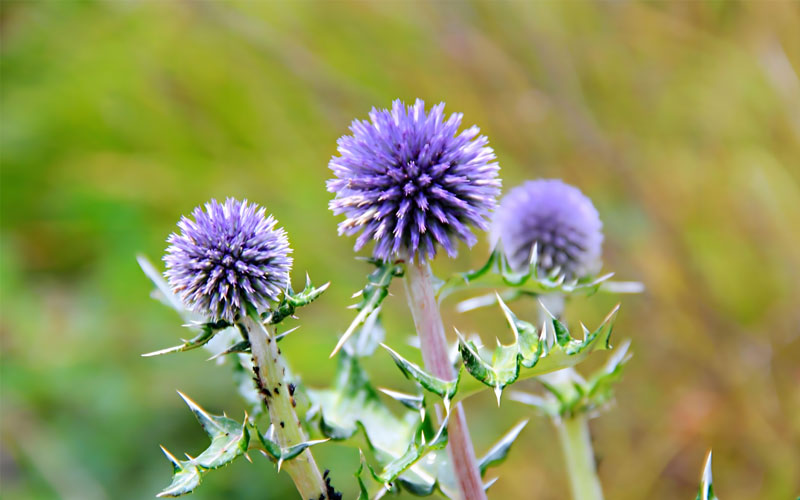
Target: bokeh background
[[681, 120]]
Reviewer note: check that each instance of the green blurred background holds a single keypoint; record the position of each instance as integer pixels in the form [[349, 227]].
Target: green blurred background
[[680, 120]]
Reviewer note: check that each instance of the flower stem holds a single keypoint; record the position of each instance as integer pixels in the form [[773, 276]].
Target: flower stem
[[576, 442], [573, 430], [270, 371], [433, 342]]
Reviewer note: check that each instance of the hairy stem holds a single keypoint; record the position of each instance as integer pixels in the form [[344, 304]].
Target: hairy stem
[[573, 432], [428, 321], [270, 375]]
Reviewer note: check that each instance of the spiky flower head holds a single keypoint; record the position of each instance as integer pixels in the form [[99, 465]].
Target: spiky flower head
[[558, 218], [410, 181], [229, 256]]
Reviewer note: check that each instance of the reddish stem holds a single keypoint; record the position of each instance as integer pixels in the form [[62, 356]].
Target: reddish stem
[[435, 354]]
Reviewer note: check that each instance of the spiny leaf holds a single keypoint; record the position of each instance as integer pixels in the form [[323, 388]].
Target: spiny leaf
[[415, 451], [414, 402], [571, 394], [185, 478], [291, 301], [353, 404], [499, 451], [273, 449], [207, 332], [445, 389], [372, 295], [229, 440], [243, 346], [352, 401], [497, 273], [396, 442], [530, 355]]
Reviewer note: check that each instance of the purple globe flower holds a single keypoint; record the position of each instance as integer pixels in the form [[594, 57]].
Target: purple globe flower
[[229, 256], [411, 182], [558, 218]]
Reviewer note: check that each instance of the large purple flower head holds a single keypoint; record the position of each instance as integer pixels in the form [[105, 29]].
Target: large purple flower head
[[229, 256], [557, 217], [408, 180]]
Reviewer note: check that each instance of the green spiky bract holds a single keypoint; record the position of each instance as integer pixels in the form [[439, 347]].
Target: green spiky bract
[[533, 353], [498, 275]]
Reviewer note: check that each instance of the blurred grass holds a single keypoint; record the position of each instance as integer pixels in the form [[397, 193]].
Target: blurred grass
[[681, 120]]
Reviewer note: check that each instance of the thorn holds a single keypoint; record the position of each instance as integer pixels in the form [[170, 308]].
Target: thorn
[[498, 391], [613, 313], [357, 294], [287, 332], [489, 483], [324, 287], [200, 414], [509, 317], [586, 331], [280, 463], [707, 478], [170, 456], [161, 351], [394, 394], [446, 402], [548, 335], [246, 456], [545, 309]]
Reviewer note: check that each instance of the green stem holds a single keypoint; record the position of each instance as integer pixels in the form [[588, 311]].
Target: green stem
[[576, 442], [270, 371], [435, 353], [573, 430]]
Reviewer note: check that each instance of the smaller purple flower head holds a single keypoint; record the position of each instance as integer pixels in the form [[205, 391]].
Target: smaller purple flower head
[[559, 219], [229, 256], [408, 180]]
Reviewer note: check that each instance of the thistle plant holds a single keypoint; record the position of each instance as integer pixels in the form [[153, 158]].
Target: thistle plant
[[554, 227], [230, 267], [409, 181]]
